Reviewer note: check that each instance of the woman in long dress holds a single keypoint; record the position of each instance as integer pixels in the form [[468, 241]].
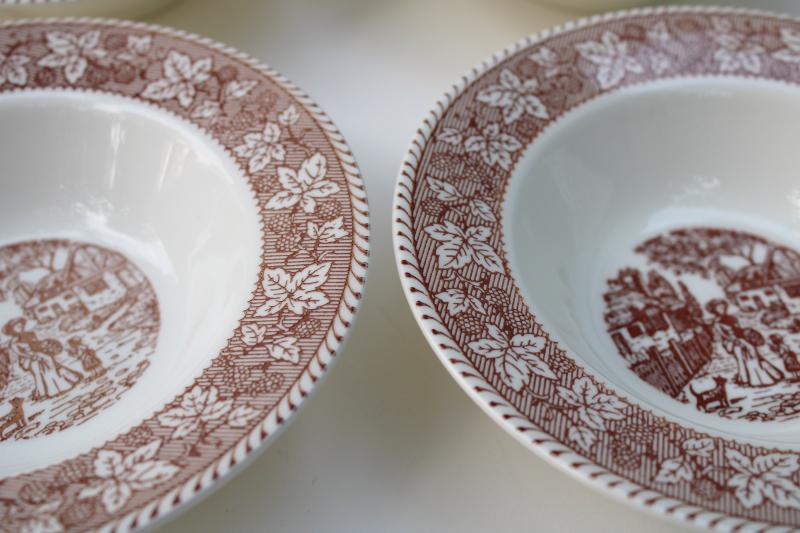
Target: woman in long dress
[[791, 362], [38, 358], [753, 369]]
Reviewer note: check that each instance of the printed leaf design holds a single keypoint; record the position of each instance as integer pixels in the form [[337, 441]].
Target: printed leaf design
[[461, 247], [12, 69], [304, 186], [198, 406], [514, 97], [242, 416], [699, 448], [458, 301], [610, 55], [181, 78], [594, 408], [289, 116], [790, 54], [327, 232], [444, 191], [297, 293], [72, 52], [253, 334], [675, 469], [206, 110], [582, 436], [515, 359], [450, 136], [239, 88], [494, 146], [262, 148], [285, 349], [764, 477], [137, 46], [481, 209], [118, 476], [735, 51]]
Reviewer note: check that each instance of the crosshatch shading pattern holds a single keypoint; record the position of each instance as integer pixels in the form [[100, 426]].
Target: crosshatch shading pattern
[[450, 252], [314, 249]]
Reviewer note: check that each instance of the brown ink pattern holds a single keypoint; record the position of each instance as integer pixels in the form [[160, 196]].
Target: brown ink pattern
[[79, 324], [314, 248], [450, 247], [714, 321]]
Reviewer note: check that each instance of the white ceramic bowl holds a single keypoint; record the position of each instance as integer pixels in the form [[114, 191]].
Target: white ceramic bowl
[[95, 8], [597, 229], [182, 246]]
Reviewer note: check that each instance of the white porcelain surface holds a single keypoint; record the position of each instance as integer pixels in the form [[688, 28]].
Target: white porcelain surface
[[109, 171], [94, 8], [635, 164]]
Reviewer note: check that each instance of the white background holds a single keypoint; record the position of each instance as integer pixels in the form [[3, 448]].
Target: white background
[[389, 442]]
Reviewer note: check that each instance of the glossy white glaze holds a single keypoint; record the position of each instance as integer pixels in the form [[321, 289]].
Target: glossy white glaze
[[631, 165], [110, 171]]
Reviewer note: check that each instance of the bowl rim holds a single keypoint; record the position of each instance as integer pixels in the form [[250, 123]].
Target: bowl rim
[[230, 460], [555, 450]]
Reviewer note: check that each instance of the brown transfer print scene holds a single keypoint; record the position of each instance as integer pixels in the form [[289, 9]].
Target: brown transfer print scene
[[78, 323], [712, 320]]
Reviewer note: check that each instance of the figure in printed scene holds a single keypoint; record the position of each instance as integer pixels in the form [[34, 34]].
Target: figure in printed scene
[[15, 419], [791, 363], [753, 369], [38, 358], [87, 357]]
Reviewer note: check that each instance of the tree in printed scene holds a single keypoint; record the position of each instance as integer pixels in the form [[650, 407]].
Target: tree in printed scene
[[699, 251]]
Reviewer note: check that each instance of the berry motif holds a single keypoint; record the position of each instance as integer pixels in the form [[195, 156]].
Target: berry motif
[[125, 74], [282, 224], [329, 209], [306, 328], [237, 377], [488, 185], [115, 41], [518, 322], [470, 323], [265, 186], [35, 492], [227, 73], [625, 456], [288, 243], [270, 384], [707, 488], [97, 76], [251, 115], [497, 296], [445, 162], [77, 514], [74, 471], [642, 436], [45, 77], [138, 436], [562, 364], [433, 207]]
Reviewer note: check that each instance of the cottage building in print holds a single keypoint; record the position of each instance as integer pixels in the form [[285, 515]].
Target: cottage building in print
[[79, 323], [90, 279], [658, 329], [772, 285]]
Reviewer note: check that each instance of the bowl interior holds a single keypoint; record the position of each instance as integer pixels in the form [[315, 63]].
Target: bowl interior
[[112, 182], [653, 232]]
